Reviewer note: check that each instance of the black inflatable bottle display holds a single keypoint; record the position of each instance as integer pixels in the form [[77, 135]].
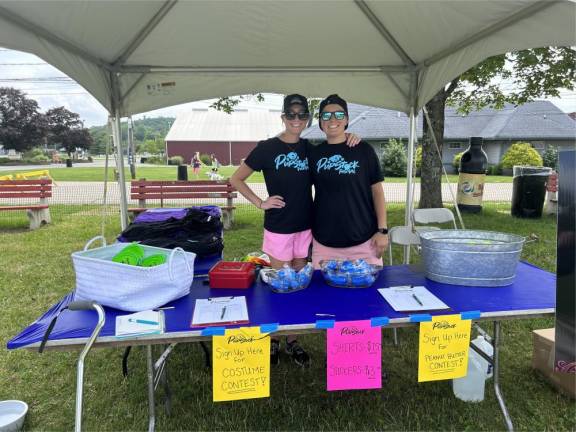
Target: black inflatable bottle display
[[473, 165]]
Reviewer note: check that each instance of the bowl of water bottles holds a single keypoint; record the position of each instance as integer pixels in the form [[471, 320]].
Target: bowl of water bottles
[[288, 280], [349, 273]]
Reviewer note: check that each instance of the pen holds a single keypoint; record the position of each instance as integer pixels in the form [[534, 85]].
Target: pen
[[139, 321], [223, 312], [165, 308], [417, 299]]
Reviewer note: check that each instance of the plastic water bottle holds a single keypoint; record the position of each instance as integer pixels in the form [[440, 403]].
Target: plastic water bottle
[[471, 387]]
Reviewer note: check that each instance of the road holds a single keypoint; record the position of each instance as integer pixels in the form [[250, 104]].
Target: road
[[92, 193]]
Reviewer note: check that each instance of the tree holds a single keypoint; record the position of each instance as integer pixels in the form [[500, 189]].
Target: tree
[[22, 127], [528, 74], [76, 138], [60, 122], [65, 129], [228, 103]]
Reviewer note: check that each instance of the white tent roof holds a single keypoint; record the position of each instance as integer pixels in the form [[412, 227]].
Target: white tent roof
[[135, 56], [212, 125]]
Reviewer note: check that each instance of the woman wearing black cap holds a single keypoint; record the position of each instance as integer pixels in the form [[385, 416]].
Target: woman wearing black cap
[[283, 161], [349, 205]]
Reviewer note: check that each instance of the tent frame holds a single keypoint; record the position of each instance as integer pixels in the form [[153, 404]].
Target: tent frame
[[118, 66]]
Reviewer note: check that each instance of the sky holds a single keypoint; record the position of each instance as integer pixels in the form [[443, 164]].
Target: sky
[[51, 88]]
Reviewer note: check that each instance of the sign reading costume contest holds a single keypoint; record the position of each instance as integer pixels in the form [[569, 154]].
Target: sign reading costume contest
[[241, 367]]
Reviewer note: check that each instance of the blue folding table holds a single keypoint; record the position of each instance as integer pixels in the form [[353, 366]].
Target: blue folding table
[[531, 295]]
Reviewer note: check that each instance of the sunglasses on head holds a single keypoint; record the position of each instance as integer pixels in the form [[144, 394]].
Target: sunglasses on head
[[338, 115], [293, 115]]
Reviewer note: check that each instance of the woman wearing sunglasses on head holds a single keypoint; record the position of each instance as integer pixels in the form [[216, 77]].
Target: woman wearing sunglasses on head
[[283, 161], [349, 205]]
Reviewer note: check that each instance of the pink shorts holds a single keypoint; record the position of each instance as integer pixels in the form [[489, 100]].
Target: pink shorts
[[362, 251], [286, 247]]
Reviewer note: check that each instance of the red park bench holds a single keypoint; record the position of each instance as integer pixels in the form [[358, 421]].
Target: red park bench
[[13, 190], [164, 190]]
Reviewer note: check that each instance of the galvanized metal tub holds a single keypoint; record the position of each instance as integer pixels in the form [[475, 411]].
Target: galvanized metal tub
[[471, 257]]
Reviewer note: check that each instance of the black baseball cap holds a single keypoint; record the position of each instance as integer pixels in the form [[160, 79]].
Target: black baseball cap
[[295, 99], [333, 99]]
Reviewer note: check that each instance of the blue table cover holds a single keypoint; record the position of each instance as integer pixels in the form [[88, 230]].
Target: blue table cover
[[203, 265], [533, 290]]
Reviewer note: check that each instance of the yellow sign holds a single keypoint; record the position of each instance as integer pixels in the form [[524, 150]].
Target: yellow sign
[[443, 352], [241, 365]]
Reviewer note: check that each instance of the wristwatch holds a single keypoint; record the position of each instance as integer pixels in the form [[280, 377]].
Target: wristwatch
[[383, 231]]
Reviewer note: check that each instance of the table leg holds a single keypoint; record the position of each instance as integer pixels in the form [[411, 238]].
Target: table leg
[[499, 396], [149, 361]]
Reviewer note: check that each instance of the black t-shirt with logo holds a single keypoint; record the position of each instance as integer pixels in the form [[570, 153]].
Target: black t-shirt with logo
[[286, 173], [343, 176]]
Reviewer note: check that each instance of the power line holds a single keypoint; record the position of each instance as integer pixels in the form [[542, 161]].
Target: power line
[[25, 64], [57, 94]]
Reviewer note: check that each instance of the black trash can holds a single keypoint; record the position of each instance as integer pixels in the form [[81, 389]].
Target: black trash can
[[182, 172], [68, 163], [529, 191]]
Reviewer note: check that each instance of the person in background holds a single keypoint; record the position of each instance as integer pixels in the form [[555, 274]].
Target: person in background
[[215, 164], [349, 205], [196, 163], [283, 161]]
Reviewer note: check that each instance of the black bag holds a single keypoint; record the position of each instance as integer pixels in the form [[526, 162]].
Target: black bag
[[196, 232]]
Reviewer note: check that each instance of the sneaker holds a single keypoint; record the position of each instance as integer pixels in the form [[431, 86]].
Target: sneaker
[[274, 352], [300, 357]]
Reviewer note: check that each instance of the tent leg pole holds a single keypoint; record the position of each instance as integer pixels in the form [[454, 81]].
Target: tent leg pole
[[120, 168], [409, 178]]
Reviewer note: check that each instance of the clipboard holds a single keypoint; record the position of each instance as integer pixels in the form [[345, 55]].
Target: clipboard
[[412, 299], [220, 311]]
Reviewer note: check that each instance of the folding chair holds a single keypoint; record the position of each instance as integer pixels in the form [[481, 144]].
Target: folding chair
[[432, 216], [401, 235]]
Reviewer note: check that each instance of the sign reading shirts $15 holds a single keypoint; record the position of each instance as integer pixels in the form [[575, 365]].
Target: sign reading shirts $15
[[354, 356]]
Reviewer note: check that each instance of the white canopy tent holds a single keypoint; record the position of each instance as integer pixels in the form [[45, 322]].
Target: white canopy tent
[[136, 56]]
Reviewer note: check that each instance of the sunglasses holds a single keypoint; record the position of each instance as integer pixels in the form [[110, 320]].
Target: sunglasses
[[293, 115], [338, 115]]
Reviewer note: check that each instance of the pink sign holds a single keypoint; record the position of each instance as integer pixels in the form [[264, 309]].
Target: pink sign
[[354, 351]]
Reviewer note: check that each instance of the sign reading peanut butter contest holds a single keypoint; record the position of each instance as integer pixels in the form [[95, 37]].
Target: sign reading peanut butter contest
[[354, 351], [241, 367], [443, 352]]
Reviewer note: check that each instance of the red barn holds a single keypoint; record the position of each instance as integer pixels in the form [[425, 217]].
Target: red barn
[[229, 136]]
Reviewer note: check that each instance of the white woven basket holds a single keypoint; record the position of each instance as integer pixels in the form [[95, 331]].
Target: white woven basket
[[128, 287]]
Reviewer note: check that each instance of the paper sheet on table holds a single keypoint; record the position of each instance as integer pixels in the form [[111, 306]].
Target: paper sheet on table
[[220, 310], [407, 298], [140, 323]]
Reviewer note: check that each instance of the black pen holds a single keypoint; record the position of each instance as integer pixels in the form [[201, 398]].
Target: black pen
[[417, 299], [223, 312]]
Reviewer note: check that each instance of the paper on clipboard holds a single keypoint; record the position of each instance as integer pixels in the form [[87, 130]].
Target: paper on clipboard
[[140, 324], [411, 298], [220, 310]]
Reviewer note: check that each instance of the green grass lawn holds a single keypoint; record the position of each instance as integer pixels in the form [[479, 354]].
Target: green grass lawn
[[80, 173], [37, 272]]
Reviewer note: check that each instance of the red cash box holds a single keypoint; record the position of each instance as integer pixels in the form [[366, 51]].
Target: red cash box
[[232, 274]]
